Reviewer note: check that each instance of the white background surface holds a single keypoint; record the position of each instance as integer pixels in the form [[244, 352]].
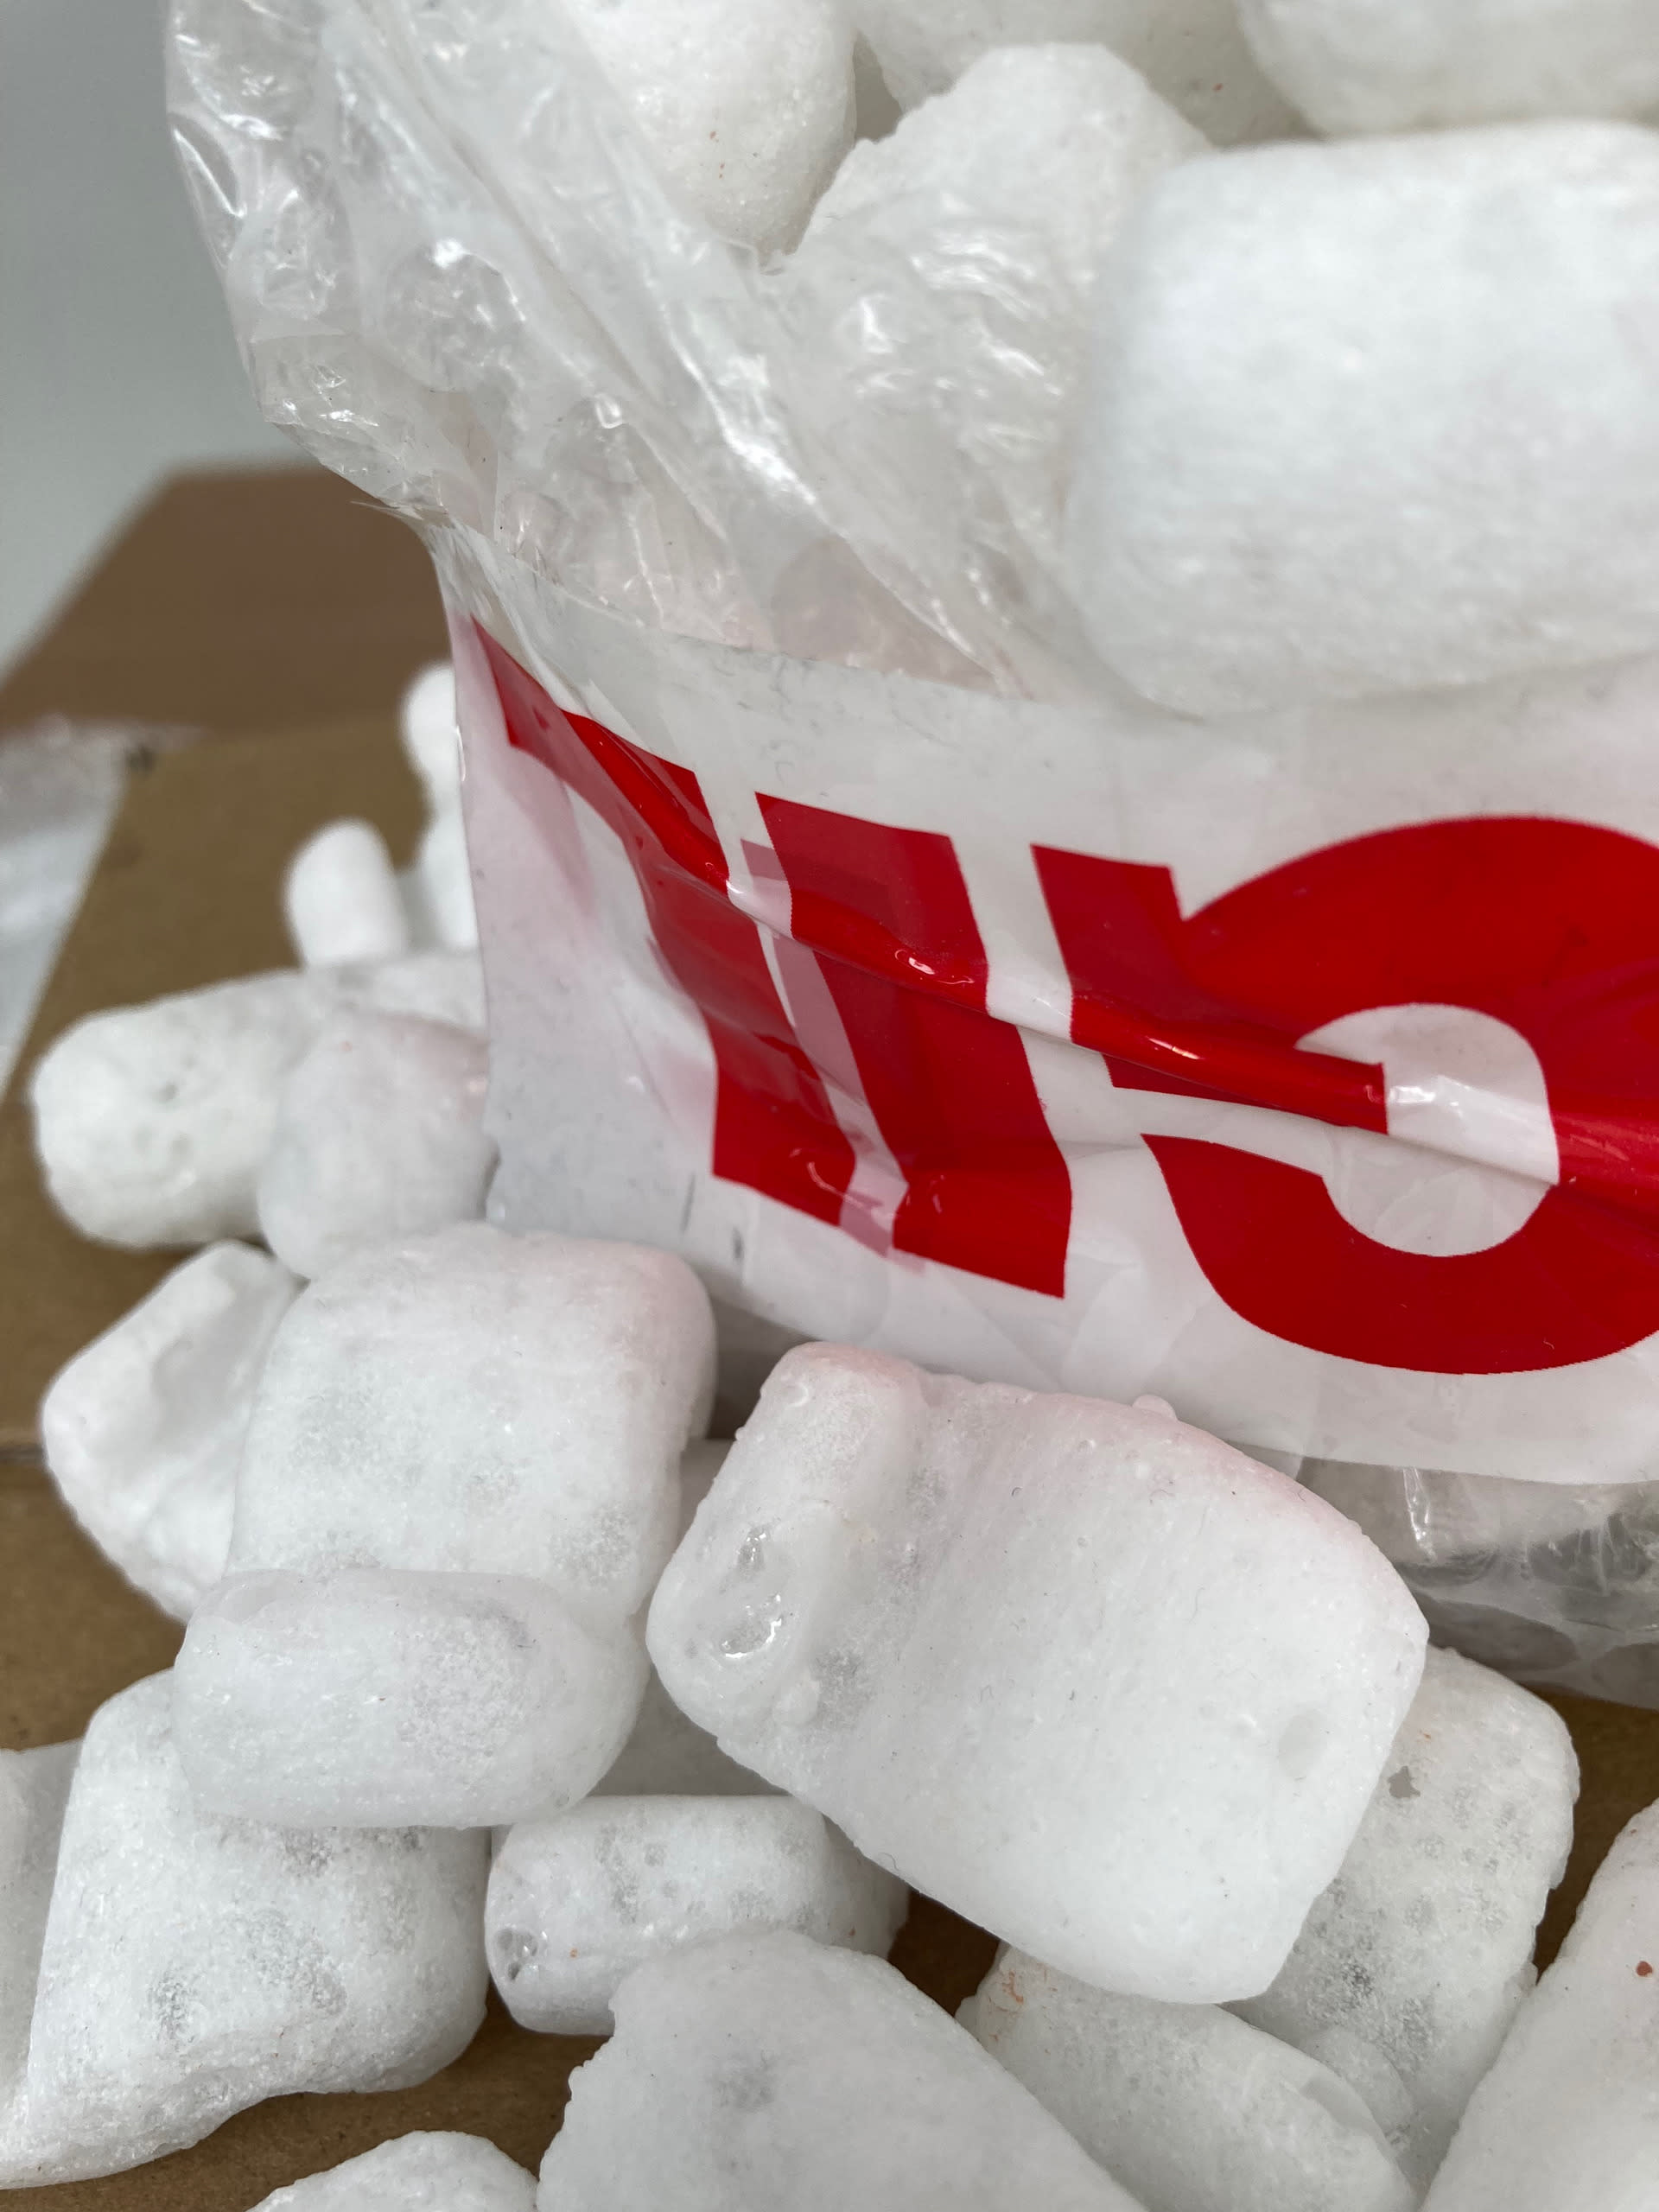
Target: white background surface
[[117, 364]]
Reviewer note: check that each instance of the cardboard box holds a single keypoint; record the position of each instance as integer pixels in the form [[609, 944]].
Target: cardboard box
[[245, 602], [187, 894]]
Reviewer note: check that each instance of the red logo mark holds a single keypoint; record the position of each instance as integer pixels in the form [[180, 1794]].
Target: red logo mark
[[885, 915], [1551, 927]]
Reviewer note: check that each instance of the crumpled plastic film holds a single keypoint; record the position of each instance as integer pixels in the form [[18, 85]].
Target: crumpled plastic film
[[1552, 1584], [457, 279], [60, 784]]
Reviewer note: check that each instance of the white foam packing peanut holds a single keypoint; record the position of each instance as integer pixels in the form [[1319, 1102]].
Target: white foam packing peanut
[[1411, 65], [415, 2173], [429, 726], [458, 1487], [1192, 51], [765, 2070], [1567, 2120], [341, 901], [1069, 134], [192, 1967], [34, 1790], [438, 889], [1431, 342], [472, 1402], [577, 1903], [452, 1701], [352, 1628], [1411, 1965], [746, 105], [1185, 2105], [668, 1754], [142, 1430], [1088, 1676], [943, 290], [379, 1135], [151, 1121]]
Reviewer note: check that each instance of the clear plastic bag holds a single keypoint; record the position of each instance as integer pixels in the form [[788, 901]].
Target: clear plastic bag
[[1552, 1583], [851, 930], [60, 784], [457, 279]]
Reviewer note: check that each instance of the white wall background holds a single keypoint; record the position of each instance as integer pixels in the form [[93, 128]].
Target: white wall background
[[117, 364]]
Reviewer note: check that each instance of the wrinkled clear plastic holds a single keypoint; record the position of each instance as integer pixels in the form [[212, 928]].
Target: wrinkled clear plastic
[[457, 279], [1552, 1584], [59, 786]]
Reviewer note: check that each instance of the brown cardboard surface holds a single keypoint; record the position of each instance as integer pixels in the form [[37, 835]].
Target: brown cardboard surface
[[1618, 1764], [245, 602], [187, 894]]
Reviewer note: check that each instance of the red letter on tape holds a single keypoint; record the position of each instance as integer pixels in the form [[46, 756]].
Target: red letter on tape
[[1550, 926], [774, 1131], [887, 915]]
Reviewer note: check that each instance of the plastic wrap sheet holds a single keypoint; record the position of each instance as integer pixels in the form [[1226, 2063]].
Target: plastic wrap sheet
[[852, 933], [1554, 1584], [457, 280], [1084, 1049], [59, 786]]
